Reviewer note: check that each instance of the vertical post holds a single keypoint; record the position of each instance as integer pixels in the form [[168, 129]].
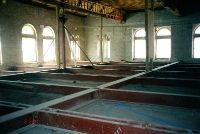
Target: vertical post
[[63, 44], [61, 34], [101, 40], [149, 28], [57, 37]]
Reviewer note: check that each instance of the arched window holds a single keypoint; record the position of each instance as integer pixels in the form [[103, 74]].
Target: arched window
[[29, 48], [48, 45], [196, 42], [163, 43], [139, 47], [75, 50]]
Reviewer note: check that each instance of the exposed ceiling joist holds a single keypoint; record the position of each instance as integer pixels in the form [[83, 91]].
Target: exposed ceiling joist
[[82, 7]]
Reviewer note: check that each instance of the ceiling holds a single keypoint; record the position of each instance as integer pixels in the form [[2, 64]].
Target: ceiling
[[182, 7], [127, 5], [178, 7]]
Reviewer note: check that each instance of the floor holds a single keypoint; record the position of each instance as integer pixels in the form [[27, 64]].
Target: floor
[[146, 113], [93, 106]]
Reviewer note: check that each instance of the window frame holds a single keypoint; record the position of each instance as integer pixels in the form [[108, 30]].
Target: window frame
[[1, 62], [34, 36], [134, 43], [157, 29], [194, 35], [52, 38]]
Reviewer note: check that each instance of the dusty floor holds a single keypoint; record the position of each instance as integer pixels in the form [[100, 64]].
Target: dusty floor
[[42, 129], [146, 113]]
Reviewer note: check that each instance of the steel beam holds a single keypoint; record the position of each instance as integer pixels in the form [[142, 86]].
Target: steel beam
[[177, 82], [79, 77], [38, 107], [169, 99]]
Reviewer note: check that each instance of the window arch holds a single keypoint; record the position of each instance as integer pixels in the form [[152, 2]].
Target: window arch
[[196, 42], [139, 47], [29, 48], [48, 44], [163, 43]]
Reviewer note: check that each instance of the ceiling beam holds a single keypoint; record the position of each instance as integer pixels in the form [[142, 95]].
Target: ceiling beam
[[82, 7]]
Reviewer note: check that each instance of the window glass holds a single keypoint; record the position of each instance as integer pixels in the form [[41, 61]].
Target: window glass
[[140, 33], [163, 43], [197, 47], [163, 32], [29, 50], [28, 29], [197, 31], [48, 45], [47, 31], [139, 49]]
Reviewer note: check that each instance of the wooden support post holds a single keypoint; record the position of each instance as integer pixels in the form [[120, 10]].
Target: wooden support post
[[63, 45], [61, 35], [101, 40], [57, 38], [149, 28]]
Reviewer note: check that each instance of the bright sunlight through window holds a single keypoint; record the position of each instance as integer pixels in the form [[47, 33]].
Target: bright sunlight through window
[[139, 49], [163, 43], [29, 44], [196, 45], [48, 45]]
